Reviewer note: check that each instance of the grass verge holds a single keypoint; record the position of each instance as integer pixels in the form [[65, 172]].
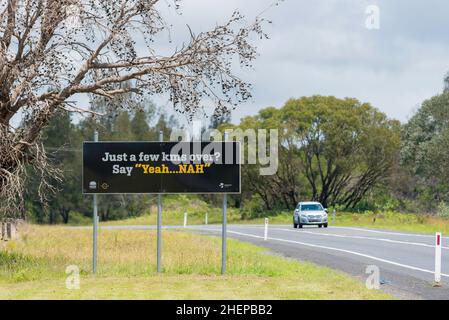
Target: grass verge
[[175, 206], [34, 268], [387, 220]]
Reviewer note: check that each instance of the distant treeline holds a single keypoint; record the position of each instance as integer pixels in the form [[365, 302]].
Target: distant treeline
[[341, 152]]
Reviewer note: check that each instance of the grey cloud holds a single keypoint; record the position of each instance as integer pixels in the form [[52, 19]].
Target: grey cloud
[[323, 47]]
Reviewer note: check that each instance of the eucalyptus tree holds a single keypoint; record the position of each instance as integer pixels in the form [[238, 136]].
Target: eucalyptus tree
[[330, 150], [425, 148], [345, 147]]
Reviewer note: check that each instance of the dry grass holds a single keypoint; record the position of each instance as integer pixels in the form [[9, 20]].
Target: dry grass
[[174, 287], [34, 267], [395, 221]]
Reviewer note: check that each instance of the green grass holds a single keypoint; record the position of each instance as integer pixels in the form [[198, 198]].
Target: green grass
[[395, 221], [34, 268], [172, 217], [175, 206], [189, 287], [387, 220]]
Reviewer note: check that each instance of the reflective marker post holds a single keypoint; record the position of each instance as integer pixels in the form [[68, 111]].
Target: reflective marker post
[[265, 236], [185, 219], [438, 241], [95, 223], [159, 220], [206, 220], [224, 227]]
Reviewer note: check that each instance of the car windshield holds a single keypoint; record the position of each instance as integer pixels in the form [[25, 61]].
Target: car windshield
[[311, 207]]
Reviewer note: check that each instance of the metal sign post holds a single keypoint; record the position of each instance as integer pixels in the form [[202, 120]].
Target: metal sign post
[[95, 223], [224, 227], [159, 220], [129, 168], [147, 168], [223, 234]]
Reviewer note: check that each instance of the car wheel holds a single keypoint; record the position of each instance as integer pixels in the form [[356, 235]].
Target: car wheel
[[300, 226], [326, 225]]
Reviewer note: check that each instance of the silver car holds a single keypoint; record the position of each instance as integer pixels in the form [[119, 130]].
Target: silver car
[[310, 213]]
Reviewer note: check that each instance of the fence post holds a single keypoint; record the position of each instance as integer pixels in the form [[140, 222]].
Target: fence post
[[12, 234], [8, 231]]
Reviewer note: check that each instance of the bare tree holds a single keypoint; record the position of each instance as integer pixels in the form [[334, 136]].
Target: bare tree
[[51, 50]]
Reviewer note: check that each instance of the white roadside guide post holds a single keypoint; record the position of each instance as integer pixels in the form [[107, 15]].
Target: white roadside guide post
[[95, 224], [159, 220], [438, 240], [205, 220], [265, 236], [185, 219]]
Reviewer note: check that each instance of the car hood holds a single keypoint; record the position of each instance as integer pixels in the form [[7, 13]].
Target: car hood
[[315, 213]]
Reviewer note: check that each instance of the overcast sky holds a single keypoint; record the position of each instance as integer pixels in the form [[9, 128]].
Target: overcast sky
[[324, 47]]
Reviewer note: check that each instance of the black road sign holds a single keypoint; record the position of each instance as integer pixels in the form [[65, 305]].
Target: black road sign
[[161, 167]]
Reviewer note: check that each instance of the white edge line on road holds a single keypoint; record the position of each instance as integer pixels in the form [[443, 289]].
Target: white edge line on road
[[363, 238], [335, 249], [140, 227], [387, 232]]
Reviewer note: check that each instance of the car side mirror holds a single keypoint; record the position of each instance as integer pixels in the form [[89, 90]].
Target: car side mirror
[[325, 210]]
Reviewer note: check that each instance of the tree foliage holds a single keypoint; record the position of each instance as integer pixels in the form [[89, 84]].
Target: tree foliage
[[331, 150], [51, 50], [426, 147], [63, 141]]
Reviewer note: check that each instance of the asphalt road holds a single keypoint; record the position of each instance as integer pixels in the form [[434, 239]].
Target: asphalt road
[[405, 260]]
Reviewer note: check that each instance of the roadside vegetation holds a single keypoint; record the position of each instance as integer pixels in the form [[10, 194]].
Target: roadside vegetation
[[341, 152], [395, 221], [33, 267], [174, 208]]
